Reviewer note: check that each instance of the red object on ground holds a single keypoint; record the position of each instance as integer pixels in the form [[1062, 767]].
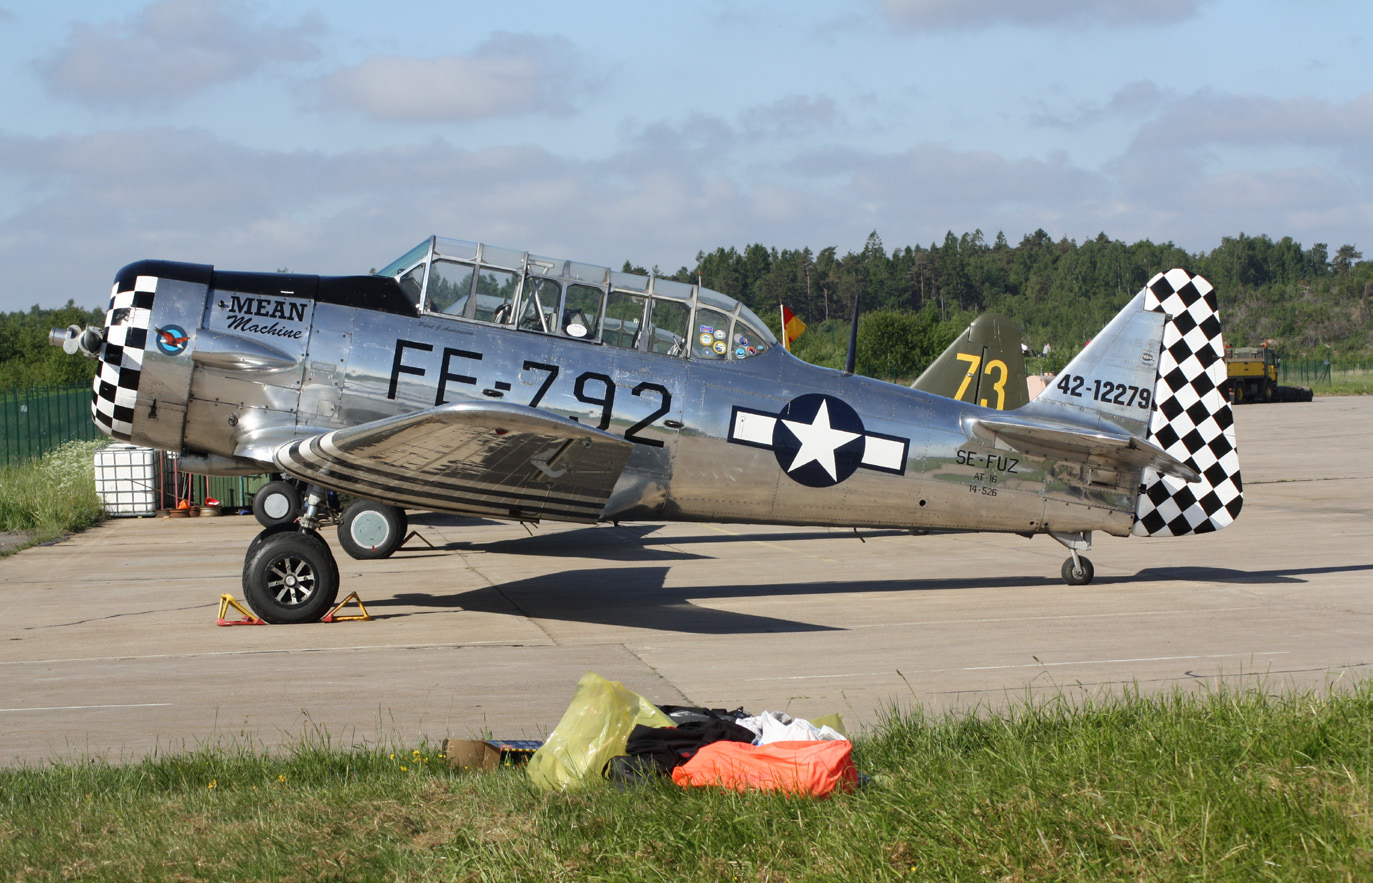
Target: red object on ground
[[806, 769]]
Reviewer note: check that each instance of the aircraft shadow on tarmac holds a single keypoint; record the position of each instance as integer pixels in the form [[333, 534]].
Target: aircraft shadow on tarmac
[[1230, 575], [638, 597], [631, 597]]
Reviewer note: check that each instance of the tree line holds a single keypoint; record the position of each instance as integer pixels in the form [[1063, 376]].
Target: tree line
[[916, 298], [27, 359], [1062, 292]]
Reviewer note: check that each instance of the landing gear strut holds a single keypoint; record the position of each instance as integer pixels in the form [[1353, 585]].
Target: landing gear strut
[[1077, 569], [289, 574]]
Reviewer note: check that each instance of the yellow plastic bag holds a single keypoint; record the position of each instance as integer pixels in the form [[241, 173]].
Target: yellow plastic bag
[[594, 729]]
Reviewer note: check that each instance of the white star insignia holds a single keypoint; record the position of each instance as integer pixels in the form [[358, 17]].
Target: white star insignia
[[819, 441]]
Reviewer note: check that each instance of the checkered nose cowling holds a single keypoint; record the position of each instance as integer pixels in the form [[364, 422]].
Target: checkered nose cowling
[[1191, 418], [121, 356]]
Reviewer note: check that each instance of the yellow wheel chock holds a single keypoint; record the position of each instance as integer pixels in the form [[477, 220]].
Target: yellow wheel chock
[[333, 615], [227, 601], [414, 535]]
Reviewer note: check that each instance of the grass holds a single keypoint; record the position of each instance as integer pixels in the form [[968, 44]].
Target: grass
[[1342, 383], [53, 496], [1226, 784]]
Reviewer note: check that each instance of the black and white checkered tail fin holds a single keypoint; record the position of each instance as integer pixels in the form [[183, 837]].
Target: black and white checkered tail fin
[[1191, 419]]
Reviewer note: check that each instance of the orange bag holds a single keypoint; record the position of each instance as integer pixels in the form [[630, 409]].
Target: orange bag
[[807, 769]]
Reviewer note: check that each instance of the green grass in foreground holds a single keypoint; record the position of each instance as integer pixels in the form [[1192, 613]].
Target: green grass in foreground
[[1222, 785], [51, 496]]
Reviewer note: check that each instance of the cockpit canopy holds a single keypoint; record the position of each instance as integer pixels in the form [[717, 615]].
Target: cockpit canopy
[[483, 283]]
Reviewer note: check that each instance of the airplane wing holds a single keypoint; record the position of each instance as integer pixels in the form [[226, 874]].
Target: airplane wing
[[478, 458], [1079, 444]]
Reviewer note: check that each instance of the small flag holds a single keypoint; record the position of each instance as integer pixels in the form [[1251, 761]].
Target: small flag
[[792, 327]]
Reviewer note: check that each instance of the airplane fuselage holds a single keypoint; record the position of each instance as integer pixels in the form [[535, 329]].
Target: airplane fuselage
[[245, 362]]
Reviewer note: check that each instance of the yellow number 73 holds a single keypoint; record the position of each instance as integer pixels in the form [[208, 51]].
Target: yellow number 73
[[974, 362]]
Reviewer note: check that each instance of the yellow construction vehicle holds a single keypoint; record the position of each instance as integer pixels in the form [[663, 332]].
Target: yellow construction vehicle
[[1252, 376]]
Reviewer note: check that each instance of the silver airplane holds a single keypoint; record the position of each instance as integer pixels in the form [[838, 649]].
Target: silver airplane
[[489, 382]]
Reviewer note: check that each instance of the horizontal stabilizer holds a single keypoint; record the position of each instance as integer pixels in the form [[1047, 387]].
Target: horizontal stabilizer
[[1075, 444]]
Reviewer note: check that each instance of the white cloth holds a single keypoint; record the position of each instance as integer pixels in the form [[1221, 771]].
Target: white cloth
[[778, 726]]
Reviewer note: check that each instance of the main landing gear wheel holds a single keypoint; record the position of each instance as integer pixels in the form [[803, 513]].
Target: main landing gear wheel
[[272, 531], [276, 502], [290, 576], [371, 530], [1079, 575]]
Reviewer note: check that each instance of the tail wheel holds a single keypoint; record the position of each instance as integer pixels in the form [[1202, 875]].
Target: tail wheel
[[1079, 573], [276, 502], [290, 576], [371, 530]]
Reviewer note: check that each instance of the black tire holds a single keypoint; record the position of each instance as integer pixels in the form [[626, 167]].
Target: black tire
[[276, 502], [290, 577], [271, 532], [1075, 577], [371, 530]]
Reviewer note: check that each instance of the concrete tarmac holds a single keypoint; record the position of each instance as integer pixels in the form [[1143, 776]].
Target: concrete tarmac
[[109, 648]]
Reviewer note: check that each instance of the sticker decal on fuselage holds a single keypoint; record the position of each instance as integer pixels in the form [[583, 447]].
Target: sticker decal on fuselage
[[818, 440], [276, 317], [172, 340]]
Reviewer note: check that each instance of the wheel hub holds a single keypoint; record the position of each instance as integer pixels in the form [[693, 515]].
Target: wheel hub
[[370, 529], [276, 506], [291, 581]]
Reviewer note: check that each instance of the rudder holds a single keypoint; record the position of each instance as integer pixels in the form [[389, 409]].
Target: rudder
[[1191, 419]]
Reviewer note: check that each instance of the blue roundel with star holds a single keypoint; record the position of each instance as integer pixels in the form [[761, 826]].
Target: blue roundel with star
[[818, 440]]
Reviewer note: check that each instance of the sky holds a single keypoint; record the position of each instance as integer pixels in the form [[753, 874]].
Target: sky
[[330, 138]]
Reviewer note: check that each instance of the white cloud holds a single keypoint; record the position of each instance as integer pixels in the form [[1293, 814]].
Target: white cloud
[[169, 52], [507, 75], [1209, 117], [964, 15], [1133, 101], [790, 117], [665, 191]]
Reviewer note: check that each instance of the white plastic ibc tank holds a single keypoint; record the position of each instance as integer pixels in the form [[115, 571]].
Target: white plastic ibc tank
[[126, 479]]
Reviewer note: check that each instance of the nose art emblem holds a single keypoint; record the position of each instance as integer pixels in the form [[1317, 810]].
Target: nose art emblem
[[171, 340]]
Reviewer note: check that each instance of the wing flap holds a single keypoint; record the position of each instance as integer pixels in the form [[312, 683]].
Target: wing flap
[[1079, 444], [497, 459]]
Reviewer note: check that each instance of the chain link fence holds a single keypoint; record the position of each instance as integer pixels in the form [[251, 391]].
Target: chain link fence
[[35, 421], [1313, 372], [41, 419]]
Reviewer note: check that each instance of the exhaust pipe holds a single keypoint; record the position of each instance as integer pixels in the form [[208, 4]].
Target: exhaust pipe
[[73, 340]]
